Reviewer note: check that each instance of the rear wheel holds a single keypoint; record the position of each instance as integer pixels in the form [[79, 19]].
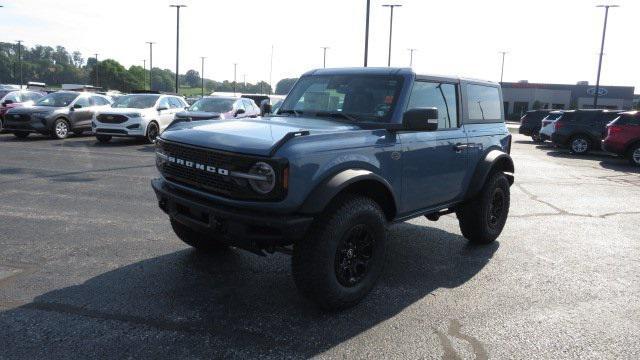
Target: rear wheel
[[580, 145], [103, 138], [21, 134], [537, 138], [634, 155], [200, 241], [152, 132], [340, 260], [60, 129], [482, 219]]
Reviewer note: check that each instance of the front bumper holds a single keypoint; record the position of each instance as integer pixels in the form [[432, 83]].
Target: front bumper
[[132, 128], [237, 227], [34, 124], [613, 147]]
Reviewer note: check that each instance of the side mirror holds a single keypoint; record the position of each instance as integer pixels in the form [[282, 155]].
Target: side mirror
[[161, 108], [421, 119], [77, 106], [240, 112], [266, 109], [7, 102]]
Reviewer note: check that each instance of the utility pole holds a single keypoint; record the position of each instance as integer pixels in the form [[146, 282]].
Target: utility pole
[[96, 68], [324, 56], [150, 64], [244, 77], [271, 71], [20, 60], [366, 34], [390, 6], [604, 32], [202, 74], [502, 69], [144, 74], [177, 41], [235, 69], [411, 57]]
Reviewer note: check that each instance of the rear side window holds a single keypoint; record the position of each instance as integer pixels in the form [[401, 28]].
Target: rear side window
[[484, 104], [626, 119], [553, 117]]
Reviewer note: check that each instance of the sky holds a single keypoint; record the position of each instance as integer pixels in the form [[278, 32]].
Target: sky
[[549, 41]]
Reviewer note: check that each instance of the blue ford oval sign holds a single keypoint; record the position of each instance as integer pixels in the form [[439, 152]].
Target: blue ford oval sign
[[601, 91]]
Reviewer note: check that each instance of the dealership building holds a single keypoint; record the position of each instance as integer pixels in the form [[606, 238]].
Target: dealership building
[[523, 95]]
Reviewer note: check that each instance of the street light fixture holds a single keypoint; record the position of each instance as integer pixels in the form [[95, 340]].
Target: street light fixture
[[150, 64], [502, 68], [390, 6], [411, 57], [604, 32], [202, 74], [324, 56], [177, 39]]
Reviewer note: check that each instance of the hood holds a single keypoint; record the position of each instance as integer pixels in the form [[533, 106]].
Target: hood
[[197, 115], [248, 136], [34, 109]]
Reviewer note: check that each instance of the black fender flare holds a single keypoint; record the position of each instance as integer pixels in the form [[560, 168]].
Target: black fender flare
[[493, 160], [327, 190]]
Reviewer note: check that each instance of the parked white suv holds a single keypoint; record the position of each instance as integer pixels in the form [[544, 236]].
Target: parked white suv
[[137, 115]]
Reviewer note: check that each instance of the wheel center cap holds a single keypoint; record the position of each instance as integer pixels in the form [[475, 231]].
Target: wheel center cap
[[350, 253]]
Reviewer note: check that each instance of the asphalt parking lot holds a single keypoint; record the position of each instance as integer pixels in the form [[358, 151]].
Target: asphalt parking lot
[[90, 268]]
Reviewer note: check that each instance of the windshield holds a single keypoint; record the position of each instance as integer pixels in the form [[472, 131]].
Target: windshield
[[136, 101], [3, 93], [57, 99], [357, 97], [217, 105]]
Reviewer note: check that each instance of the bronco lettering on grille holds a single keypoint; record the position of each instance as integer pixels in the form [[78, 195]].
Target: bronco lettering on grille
[[192, 165]]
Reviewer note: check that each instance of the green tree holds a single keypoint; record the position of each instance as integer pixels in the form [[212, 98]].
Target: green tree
[[284, 85], [192, 78]]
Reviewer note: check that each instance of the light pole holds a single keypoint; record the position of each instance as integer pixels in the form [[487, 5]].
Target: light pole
[[177, 39], [390, 6], [411, 56], [502, 68], [366, 34], [324, 56], [202, 74], [150, 64], [604, 32], [20, 60], [96, 68], [235, 69], [144, 74], [271, 71]]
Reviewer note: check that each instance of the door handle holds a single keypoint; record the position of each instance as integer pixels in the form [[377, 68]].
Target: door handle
[[459, 147]]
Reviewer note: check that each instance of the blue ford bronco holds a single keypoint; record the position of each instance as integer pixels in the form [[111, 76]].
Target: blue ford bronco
[[349, 152]]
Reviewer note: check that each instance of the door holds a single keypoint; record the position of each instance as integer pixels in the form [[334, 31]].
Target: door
[[165, 113], [81, 113], [435, 162]]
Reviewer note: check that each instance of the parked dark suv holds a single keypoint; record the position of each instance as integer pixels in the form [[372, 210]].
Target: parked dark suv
[[530, 123], [349, 152], [582, 130]]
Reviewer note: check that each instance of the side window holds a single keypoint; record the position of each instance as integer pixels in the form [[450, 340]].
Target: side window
[[98, 101], [484, 104], [248, 106], [438, 95], [239, 105], [14, 96], [32, 96], [175, 103], [83, 102], [164, 102]]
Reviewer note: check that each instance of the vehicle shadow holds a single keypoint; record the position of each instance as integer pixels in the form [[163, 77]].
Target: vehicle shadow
[[242, 305], [606, 160]]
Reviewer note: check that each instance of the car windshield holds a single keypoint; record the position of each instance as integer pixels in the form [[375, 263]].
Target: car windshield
[[4, 93], [136, 101], [353, 97], [57, 99], [217, 105]]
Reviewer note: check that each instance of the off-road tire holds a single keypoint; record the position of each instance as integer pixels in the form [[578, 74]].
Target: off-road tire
[[584, 141], [480, 220], [200, 241], [103, 138], [320, 259], [634, 155], [60, 133], [21, 134]]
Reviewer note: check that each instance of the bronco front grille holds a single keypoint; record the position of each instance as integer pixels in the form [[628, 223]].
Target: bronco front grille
[[217, 182], [112, 118]]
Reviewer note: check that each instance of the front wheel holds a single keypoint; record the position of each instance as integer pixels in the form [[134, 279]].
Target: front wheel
[[483, 218], [152, 132], [340, 260], [634, 155], [60, 129], [200, 241], [580, 145]]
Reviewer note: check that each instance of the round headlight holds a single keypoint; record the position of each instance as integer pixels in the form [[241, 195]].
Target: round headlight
[[265, 185]]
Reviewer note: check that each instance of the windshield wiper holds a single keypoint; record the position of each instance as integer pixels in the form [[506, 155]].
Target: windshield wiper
[[289, 111], [337, 114]]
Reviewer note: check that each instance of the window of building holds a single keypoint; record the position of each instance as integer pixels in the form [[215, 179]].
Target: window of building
[[440, 96], [484, 104]]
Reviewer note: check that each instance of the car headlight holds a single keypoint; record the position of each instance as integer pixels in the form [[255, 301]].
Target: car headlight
[[134, 115], [265, 178]]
